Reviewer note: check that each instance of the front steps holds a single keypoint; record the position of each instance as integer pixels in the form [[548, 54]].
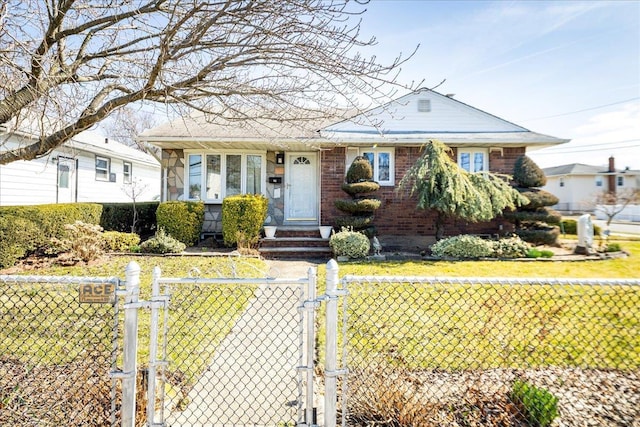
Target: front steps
[[296, 242]]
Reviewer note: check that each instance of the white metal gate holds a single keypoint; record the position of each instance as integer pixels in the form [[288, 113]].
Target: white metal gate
[[210, 367]]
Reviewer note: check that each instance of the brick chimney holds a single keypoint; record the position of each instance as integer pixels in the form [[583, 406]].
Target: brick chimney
[[611, 178]]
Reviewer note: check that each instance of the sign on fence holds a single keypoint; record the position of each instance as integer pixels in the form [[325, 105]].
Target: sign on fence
[[97, 293]]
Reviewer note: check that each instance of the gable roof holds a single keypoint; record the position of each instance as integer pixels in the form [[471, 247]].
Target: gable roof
[[582, 169], [396, 123], [401, 122], [89, 141]]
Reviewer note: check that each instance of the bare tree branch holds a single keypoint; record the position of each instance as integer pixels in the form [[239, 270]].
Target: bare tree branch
[[75, 62]]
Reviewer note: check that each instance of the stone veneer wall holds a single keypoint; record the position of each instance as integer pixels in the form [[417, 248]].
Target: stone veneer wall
[[173, 162]]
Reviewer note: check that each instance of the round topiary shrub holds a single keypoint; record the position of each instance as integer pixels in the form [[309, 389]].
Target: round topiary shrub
[[463, 246], [527, 173], [357, 205], [350, 244], [360, 170], [363, 187]]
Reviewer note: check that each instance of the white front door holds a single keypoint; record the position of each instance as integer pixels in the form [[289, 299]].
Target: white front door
[[66, 180], [301, 188]]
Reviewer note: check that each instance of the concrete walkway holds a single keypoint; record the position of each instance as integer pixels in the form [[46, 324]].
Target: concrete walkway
[[252, 379]]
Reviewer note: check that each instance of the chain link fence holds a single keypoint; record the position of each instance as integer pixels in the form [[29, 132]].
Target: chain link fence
[[56, 352], [233, 348], [490, 352]]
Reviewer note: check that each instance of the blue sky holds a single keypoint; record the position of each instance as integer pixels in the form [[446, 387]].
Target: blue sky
[[570, 69]]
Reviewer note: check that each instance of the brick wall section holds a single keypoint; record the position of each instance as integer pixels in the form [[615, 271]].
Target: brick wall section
[[398, 214]]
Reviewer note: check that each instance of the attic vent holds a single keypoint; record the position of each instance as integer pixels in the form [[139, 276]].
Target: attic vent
[[424, 105]]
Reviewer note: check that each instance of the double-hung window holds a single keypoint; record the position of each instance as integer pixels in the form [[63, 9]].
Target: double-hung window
[[475, 160], [382, 163], [212, 176], [103, 168], [126, 172]]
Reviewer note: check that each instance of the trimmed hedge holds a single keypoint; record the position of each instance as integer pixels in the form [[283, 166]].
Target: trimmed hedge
[[17, 238], [181, 220], [119, 217], [25, 229], [243, 215]]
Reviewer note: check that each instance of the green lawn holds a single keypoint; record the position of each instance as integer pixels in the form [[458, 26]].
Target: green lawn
[[503, 326], [451, 326], [45, 323]]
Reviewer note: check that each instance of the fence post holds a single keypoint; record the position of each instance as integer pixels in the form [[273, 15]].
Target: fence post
[[130, 347], [311, 341], [153, 348], [330, 363]]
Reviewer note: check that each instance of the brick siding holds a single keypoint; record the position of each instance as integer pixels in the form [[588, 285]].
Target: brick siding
[[398, 214]]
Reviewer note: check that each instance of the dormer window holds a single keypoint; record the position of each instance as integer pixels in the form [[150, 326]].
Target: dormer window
[[424, 105]]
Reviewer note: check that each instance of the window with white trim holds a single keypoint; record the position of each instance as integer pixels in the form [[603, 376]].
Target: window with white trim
[[223, 174], [561, 182], [475, 160], [620, 180], [126, 172], [103, 168], [599, 181], [382, 162]]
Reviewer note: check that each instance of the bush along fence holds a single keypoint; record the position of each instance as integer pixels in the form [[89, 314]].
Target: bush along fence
[[395, 351]]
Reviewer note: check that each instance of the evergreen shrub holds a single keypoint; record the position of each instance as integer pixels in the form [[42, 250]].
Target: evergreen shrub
[[350, 244], [463, 246], [527, 173], [17, 239], [538, 404], [162, 243], [243, 215], [119, 217], [117, 241], [181, 220]]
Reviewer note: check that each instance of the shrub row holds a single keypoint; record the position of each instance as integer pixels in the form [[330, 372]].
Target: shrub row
[[119, 217], [25, 229]]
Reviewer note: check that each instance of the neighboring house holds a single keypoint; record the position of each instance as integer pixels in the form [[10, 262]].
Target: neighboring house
[[576, 185], [301, 170], [88, 168]]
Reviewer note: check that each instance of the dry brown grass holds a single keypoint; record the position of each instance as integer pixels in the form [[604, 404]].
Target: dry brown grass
[[398, 400], [77, 393]]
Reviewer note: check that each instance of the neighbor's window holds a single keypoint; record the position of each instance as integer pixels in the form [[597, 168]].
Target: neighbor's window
[[381, 159], [103, 167], [620, 180], [224, 174], [561, 182], [126, 172], [473, 160], [599, 181], [63, 176]]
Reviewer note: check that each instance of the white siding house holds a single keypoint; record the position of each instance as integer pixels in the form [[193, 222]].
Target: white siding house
[[88, 168], [576, 185]]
